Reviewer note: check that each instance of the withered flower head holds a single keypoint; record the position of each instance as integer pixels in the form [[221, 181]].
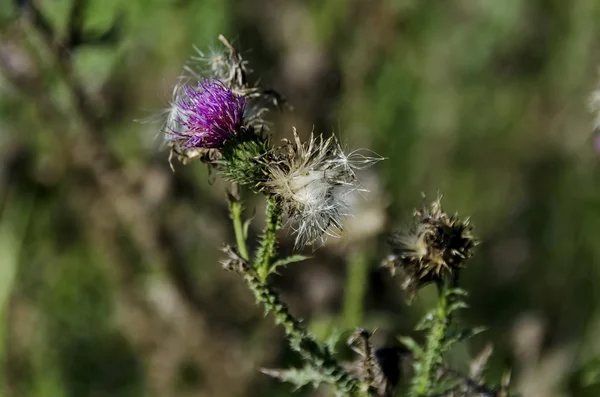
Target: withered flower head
[[433, 248], [313, 181]]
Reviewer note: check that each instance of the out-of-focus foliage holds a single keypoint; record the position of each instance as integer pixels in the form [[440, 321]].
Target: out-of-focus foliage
[[109, 276]]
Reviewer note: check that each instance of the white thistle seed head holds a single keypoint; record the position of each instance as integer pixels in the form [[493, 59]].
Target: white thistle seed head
[[313, 181]]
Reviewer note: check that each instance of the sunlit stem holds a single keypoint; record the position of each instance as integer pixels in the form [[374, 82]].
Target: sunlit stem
[[236, 208], [268, 245], [425, 372]]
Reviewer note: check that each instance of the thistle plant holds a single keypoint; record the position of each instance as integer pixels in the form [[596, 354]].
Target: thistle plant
[[435, 250], [218, 118]]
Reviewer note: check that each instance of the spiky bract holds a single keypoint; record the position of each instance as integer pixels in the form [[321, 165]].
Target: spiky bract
[[435, 246], [242, 160]]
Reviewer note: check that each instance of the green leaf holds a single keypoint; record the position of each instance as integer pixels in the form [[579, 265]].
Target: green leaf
[[590, 373], [457, 306], [333, 339], [412, 345], [299, 377], [462, 335], [287, 261], [426, 322], [14, 221], [246, 226], [443, 386], [457, 292]]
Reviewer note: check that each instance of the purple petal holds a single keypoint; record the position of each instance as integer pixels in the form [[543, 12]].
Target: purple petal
[[208, 115]]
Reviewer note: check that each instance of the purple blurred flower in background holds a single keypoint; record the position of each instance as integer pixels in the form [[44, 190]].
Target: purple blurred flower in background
[[206, 116]]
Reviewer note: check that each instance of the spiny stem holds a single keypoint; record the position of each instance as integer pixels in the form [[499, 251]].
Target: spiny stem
[[268, 244], [235, 209], [299, 338], [425, 373]]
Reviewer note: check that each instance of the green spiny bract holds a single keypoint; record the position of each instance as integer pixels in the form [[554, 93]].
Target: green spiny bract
[[241, 160]]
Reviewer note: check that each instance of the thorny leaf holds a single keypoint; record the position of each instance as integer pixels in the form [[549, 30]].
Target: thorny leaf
[[457, 306], [246, 227], [426, 322], [333, 339], [299, 377], [286, 261], [457, 292], [462, 335], [443, 386], [412, 345]]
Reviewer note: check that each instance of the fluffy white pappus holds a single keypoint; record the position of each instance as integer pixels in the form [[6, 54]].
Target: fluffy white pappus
[[413, 242], [217, 63], [173, 114], [168, 116], [314, 181]]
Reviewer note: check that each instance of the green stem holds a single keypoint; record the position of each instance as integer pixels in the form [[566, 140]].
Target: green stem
[[300, 340], [268, 244], [235, 208], [354, 294], [425, 372]]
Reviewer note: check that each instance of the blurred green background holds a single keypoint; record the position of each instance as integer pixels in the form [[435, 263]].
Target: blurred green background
[[110, 283]]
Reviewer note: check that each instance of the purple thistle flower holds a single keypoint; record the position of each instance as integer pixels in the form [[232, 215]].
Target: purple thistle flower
[[206, 116]]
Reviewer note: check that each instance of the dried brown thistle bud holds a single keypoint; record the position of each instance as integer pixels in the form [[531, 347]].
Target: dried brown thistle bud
[[380, 368], [234, 262], [434, 247]]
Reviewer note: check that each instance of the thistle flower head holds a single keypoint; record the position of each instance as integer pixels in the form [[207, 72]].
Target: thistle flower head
[[213, 102], [436, 246], [205, 116], [313, 181]]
